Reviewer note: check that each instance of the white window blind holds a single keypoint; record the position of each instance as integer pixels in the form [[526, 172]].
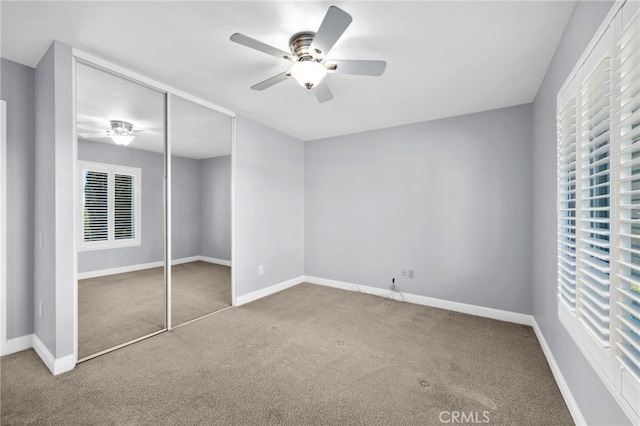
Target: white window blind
[[595, 199], [96, 208], [599, 259], [109, 206], [124, 207], [628, 140], [567, 203]]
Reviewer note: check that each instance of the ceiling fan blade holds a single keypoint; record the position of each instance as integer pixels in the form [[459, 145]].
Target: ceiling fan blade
[[333, 25], [95, 126], [262, 47], [271, 81], [93, 135], [356, 67], [322, 92]]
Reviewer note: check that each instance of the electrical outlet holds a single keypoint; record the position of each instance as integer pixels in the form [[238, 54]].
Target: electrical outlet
[[411, 273], [40, 240], [260, 269], [403, 273], [41, 309]]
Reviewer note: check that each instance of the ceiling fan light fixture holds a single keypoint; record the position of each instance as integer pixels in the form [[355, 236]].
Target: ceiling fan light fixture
[[121, 132], [122, 140], [308, 73], [308, 52]]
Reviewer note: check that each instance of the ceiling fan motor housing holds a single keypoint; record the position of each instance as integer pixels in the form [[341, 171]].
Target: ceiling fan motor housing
[[120, 127], [300, 46]]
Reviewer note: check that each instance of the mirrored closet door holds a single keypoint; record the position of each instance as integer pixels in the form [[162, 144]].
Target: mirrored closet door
[[200, 140], [121, 219]]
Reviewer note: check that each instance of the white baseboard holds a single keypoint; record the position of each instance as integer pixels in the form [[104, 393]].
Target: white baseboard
[[184, 260], [119, 270], [17, 344], [480, 311], [56, 366], [143, 266], [222, 262], [464, 308], [572, 405], [259, 294]]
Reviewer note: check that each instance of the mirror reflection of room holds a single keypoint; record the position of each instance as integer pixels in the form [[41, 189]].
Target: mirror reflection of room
[[200, 210], [121, 247]]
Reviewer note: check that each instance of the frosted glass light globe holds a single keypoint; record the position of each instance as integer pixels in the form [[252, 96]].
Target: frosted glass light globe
[[308, 73]]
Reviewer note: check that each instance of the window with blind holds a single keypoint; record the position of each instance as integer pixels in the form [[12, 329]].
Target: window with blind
[[627, 326], [598, 175], [109, 206]]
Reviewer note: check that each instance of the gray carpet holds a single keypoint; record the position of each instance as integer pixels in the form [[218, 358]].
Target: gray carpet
[[117, 308], [199, 288], [307, 355]]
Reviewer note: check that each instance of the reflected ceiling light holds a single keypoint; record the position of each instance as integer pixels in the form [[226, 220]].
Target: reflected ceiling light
[[308, 73], [123, 140], [121, 132]]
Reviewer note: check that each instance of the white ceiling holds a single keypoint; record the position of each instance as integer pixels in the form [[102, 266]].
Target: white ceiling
[[196, 131], [443, 58], [102, 97]]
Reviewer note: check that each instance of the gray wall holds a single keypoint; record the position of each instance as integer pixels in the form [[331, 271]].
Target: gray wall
[[152, 219], [269, 187], [595, 401], [216, 207], [449, 199], [186, 207], [18, 85], [44, 257], [54, 164]]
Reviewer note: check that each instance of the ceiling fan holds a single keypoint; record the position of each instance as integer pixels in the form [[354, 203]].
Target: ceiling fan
[[309, 56], [121, 132]]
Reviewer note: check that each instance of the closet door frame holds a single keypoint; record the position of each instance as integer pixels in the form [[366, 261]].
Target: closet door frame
[[80, 61], [3, 227], [168, 91]]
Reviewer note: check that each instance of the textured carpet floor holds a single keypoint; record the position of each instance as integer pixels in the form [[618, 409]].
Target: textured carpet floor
[[199, 288], [117, 308], [307, 355]]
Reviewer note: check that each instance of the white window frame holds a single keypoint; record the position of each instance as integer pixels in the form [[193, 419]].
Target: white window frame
[[111, 170], [606, 360]]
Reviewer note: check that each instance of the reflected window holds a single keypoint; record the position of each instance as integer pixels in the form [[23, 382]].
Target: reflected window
[[110, 206]]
